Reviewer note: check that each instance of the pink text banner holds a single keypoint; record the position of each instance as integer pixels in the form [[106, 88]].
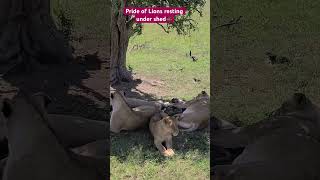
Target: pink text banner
[[154, 14]]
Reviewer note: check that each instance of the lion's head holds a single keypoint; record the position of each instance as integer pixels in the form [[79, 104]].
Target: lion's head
[[171, 125]]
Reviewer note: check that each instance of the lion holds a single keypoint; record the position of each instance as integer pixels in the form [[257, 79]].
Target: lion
[[134, 102], [83, 130], [35, 153], [125, 118], [287, 141], [183, 105], [297, 114], [162, 128], [97, 149], [197, 114]]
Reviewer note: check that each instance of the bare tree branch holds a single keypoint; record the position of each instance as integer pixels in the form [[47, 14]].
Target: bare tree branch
[[165, 30], [233, 22]]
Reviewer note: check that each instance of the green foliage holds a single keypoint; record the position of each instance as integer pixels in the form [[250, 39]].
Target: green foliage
[[246, 87], [65, 22], [183, 24], [156, 55]]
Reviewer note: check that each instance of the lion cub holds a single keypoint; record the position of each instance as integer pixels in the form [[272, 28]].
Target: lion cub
[[163, 127]]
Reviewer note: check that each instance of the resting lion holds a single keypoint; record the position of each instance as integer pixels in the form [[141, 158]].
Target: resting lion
[[35, 152], [134, 102], [197, 114], [123, 117], [284, 146], [163, 127]]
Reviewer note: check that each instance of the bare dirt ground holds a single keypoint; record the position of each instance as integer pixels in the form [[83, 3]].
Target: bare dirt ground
[[142, 88]]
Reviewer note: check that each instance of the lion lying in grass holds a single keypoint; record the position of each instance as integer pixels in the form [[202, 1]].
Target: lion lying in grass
[[197, 113], [123, 117], [162, 128]]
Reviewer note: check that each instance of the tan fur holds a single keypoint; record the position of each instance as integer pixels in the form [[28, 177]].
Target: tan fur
[[75, 131], [163, 127], [123, 117], [197, 114], [34, 151], [96, 149], [134, 102], [202, 95], [72, 131]]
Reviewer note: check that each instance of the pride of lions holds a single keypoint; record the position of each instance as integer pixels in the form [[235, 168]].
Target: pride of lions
[[284, 146], [164, 119], [46, 146]]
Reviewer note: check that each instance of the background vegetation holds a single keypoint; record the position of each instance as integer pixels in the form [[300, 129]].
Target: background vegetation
[[165, 57], [162, 56], [245, 85]]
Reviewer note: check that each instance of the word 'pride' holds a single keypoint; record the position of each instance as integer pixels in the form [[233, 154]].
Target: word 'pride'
[[154, 14]]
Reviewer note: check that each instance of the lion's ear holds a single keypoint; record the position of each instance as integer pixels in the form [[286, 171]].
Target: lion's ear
[[168, 121], [300, 98], [163, 114]]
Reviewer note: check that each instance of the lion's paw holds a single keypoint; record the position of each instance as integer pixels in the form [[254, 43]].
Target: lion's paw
[[168, 152]]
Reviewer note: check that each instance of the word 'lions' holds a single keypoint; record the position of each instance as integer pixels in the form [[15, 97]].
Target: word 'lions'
[[123, 117], [163, 127], [197, 114]]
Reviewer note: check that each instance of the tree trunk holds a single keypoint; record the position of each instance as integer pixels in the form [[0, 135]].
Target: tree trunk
[[120, 34], [28, 34]]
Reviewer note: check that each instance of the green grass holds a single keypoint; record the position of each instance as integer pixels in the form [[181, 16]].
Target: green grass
[[160, 56], [133, 156], [91, 18], [244, 86]]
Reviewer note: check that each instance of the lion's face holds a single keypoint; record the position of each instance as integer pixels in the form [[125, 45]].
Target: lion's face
[[171, 125], [117, 98], [19, 109], [201, 95], [297, 103]]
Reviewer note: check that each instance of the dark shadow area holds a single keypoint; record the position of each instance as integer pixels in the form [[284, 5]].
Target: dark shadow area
[[130, 88], [79, 88], [67, 86]]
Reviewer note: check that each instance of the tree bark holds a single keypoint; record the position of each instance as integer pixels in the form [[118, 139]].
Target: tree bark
[[120, 34], [28, 34]]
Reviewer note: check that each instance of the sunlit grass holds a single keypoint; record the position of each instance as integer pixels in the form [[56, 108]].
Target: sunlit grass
[[158, 55]]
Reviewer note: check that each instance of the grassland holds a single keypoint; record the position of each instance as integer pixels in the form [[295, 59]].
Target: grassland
[[161, 56], [245, 87], [91, 19]]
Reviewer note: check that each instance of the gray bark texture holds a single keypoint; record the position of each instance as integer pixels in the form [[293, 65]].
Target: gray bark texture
[[120, 33], [28, 33]]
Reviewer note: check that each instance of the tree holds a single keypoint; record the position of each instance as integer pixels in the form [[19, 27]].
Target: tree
[[124, 27], [28, 34]]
